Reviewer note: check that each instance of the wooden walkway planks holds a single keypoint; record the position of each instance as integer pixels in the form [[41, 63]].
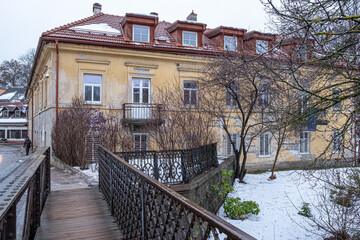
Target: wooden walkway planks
[[77, 214]]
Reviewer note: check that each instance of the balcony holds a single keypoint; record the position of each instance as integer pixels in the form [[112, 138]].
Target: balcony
[[137, 114]]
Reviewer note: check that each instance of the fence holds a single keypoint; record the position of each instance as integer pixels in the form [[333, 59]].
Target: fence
[[23, 192], [173, 166], [146, 209]]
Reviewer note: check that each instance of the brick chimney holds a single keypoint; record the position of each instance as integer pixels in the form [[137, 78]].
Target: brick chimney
[[192, 16], [96, 8]]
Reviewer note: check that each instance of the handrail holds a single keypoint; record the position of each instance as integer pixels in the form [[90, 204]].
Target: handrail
[[24, 188], [146, 209], [173, 166]]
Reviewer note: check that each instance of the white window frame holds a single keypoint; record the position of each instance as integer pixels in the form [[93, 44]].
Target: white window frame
[[229, 99], [141, 35], [7, 113], [190, 91], [187, 42], [303, 98], [229, 45], [337, 141], [92, 85], [229, 149], [17, 112], [140, 134], [301, 52], [304, 140], [260, 49], [262, 142], [264, 96]]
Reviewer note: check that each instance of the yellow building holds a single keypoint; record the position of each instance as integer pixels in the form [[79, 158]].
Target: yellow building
[[118, 61]]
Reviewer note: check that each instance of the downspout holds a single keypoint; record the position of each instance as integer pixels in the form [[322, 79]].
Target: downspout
[[32, 119], [57, 81], [355, 132]]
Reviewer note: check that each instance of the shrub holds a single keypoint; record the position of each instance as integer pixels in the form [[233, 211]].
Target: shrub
[[237, 209], [305, 210], [224, 186]]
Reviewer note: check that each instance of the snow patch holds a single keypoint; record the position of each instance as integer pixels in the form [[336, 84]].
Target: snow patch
[[7, 96], [100, 28]]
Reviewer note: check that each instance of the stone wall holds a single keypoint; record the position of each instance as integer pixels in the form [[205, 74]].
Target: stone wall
[[200, 191]]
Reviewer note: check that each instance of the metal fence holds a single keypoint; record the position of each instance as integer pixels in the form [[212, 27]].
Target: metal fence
[[173, 166], [23, 191], [146, 209]]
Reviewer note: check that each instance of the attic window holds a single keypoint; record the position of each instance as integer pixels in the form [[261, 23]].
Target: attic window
[[261, 47], [189, 38], [5, 113], [141, 33], [230, 43], [99, 28]]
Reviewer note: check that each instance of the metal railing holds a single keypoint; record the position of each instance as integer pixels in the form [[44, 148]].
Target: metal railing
[[173, 166], [142, 112], [146, 209], [24, 188]]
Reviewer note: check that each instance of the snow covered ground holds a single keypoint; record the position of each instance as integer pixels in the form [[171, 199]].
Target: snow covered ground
[[277, 199]]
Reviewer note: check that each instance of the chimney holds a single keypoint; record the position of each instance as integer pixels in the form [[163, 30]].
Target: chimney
[[96, 8], [154, 13], [192, 16]]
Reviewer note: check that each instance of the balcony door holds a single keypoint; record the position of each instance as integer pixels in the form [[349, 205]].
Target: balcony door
[[141, 98]]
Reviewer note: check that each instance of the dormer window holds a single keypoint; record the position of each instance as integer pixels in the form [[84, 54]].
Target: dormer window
[[5, 113], [189, 39], [262, 46], [230, 43], [141, 33], [301, 53], [17, 113]]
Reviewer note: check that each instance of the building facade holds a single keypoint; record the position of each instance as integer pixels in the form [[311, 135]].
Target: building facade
[[118, 61]]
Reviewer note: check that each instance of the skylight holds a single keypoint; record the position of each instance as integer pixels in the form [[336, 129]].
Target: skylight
[[100, 28]]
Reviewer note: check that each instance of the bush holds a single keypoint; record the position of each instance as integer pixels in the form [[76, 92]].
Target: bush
[[224, 186], [69, 134], [305, 210], [237, 209]]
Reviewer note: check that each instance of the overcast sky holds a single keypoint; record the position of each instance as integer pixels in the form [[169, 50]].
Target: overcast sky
[[23, 21]]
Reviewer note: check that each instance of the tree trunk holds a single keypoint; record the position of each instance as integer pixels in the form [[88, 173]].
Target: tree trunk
[[272, 177], [242, 170]]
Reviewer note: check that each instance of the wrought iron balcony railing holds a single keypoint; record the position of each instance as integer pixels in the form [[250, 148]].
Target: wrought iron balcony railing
[[173, 166], [141, 113]]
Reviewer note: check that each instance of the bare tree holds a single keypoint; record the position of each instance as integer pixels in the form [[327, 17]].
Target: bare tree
[[16, 73], [183, 125], [232, 82]]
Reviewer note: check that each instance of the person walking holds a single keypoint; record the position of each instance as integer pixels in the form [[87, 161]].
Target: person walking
[[27, 145]]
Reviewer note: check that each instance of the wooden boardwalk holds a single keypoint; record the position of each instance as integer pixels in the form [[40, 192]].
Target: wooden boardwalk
[[77, 214]]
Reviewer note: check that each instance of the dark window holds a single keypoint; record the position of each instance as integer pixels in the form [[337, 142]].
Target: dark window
[[190, 94], [264, 95], [2, 133], [5, 113], [336, 95], [232, 92]]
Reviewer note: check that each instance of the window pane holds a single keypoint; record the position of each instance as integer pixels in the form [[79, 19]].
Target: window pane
[[193, 98], [136, 95], [24, 133], [97, 94], [186, 97], [145, 83], [136, 82], [145, 96], [88, 93], [92, 78], [261, 47], [2, 133], [230, 43]]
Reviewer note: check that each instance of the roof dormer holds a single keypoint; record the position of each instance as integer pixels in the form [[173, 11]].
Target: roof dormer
[[295, 46], [227, 38], [139, 27], [259, 43], [188, 33]]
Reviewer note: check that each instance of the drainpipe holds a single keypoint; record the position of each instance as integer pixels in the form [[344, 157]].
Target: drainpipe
[[57, 81], [32, 118]]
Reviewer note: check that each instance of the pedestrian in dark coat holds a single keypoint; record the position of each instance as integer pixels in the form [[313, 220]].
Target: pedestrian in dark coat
[[27, 145]]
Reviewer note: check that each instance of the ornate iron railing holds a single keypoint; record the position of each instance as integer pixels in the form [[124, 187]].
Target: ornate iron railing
[[147, 209], [142, 112], [173, 166], [24, 188]]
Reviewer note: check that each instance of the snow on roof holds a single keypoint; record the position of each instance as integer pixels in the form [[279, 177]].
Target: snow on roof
[[7, 96], [13, 120], [99, 28], [146, 15]]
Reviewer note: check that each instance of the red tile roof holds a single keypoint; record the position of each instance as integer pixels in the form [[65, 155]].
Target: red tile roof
[[162, 37]]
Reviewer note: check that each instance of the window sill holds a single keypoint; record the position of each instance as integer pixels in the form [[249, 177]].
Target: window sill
[[93, 103], [264, 156]]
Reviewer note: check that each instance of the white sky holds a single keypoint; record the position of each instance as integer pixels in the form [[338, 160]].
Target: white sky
[[23, 21]]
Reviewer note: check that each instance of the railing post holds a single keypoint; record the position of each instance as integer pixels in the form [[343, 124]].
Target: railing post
[[156, 167], [10, 225], [111, 185], [143, 227], [124, 107], [185, 175]]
